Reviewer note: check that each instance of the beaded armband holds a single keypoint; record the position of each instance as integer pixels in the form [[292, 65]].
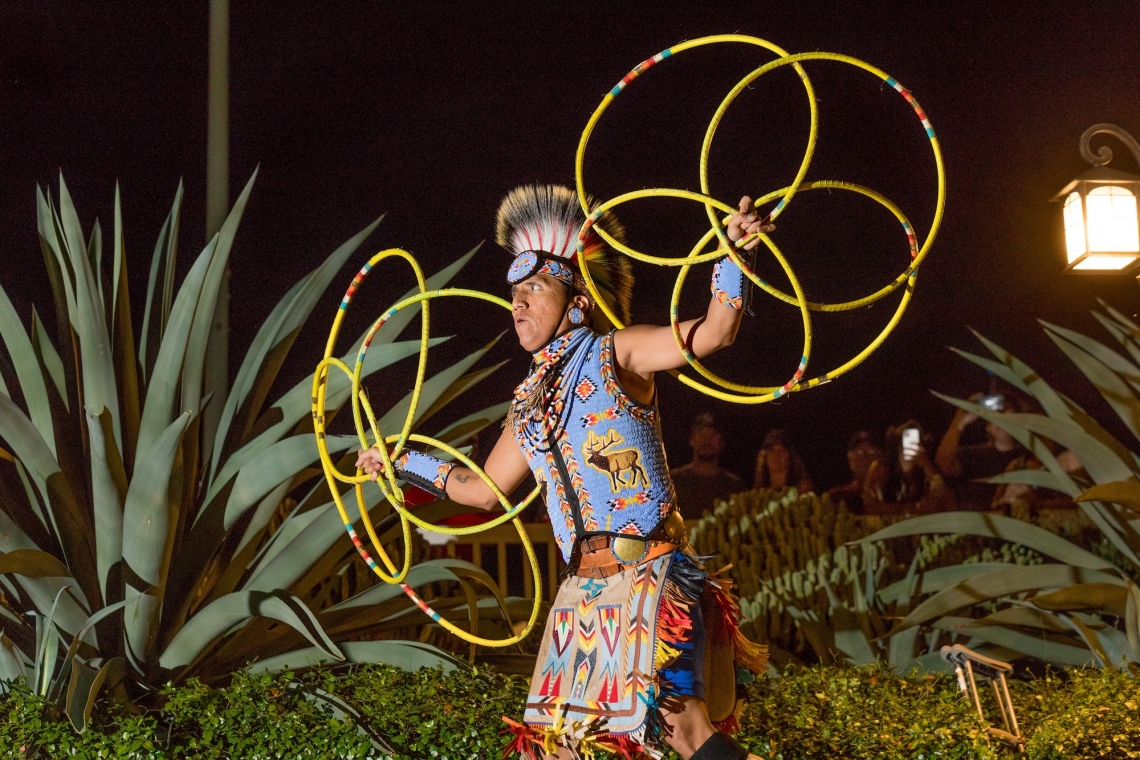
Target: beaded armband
[[424, 472], [729, 284]]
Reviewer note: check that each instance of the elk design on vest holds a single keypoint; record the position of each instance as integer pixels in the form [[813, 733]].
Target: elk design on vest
[[599, 454]]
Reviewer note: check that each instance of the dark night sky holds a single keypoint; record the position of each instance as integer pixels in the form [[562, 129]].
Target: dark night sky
[[431, 112]]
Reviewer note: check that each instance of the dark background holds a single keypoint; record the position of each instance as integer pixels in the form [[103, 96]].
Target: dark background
[[432, 112]]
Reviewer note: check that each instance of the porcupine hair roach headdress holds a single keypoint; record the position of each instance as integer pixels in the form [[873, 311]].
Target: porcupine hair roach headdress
[[539, 224]]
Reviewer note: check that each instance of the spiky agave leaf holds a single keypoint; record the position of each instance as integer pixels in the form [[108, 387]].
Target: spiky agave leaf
[[101, 488]]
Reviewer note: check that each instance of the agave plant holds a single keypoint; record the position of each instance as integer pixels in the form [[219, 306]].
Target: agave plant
[[808, 586], [1078, 608], [141, 496]]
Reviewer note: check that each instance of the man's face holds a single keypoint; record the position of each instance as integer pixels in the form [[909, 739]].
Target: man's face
[[706, 442], [538, 305], [859, 459]]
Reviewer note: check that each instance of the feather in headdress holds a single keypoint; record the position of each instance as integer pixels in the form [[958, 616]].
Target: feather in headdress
[[547, 218]]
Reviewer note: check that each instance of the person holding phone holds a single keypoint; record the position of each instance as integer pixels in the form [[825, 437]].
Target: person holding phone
[[968, 466], [908, 477]]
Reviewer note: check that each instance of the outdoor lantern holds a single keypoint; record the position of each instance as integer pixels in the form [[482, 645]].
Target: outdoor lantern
[[1102, 233]]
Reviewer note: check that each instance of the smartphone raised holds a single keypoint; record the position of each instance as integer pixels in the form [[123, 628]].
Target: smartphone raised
[[911, 442], [995, 402]]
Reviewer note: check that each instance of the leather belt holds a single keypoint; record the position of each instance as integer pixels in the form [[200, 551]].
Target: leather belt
[[600, 555]]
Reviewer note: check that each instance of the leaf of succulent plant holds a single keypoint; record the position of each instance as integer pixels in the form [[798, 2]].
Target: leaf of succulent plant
[[1115, 644], [261, 516], [463, 430], [296, 404], [27, 366], [290, 313], [47, 640], [52, 244], [70, 525], [277, 464], [152, 323], [1092, 641], [12, 661], [1084, 597], [1114, 329], [1113, 360], [994, 526], [146, 511], [85, 683], [850, 639], [1101, 461], [1122, 320], [95, 259], [108, 489], [33, 563], [900, 648], [124, 358], [12, 538], [1035, 478], [996, 367], [1034, 646], [1123, 492], [118, 257], [218, 617], [297, 555], [1132, 618], [98, 375], [386, 335], [43, 592], [1086, 439], [193, 364], [938, 579], [1014, 579], [421, 574], [49, 358], [408, 655], [294, 524], [456, 389], [436, 387], [1108, 382], [1049, 399], [1024, 616], [401, 319], [85, 634], [162, 390]]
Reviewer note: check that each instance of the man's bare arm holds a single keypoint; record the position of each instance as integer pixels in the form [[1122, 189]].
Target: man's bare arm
[[506, 466], [645, 349]]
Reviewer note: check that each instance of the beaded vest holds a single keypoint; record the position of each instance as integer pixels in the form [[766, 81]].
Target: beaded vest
[[610, 444]]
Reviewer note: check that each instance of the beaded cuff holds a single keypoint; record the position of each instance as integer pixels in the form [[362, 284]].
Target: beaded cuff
[[729, 285], [425, 472]]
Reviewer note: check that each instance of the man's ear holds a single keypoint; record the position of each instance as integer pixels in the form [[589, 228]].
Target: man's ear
[[583, 302]]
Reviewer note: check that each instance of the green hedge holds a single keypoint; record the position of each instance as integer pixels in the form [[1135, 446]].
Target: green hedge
[[818, 712]]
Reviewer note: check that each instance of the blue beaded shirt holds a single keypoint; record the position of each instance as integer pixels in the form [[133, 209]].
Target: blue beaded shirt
[[610, 443]]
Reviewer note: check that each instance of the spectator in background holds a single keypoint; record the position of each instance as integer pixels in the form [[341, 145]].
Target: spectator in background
[[907, 477], [703, 482], [779, 465], [862, 451], [965, 465]]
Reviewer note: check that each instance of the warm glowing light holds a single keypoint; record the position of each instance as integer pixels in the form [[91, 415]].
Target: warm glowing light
[[1111, 218], [1105, 263], [1074, 227]]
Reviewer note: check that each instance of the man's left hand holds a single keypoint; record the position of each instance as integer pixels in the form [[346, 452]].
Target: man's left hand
[[747, 221]]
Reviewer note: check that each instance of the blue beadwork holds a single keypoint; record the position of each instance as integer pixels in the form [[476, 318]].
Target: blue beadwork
[[611, 444]]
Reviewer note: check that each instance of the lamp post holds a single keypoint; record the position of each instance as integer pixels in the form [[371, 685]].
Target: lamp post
[[1102, 234]]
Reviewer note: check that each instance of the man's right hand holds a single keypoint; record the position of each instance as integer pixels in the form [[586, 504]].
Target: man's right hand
[[369, 461]]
